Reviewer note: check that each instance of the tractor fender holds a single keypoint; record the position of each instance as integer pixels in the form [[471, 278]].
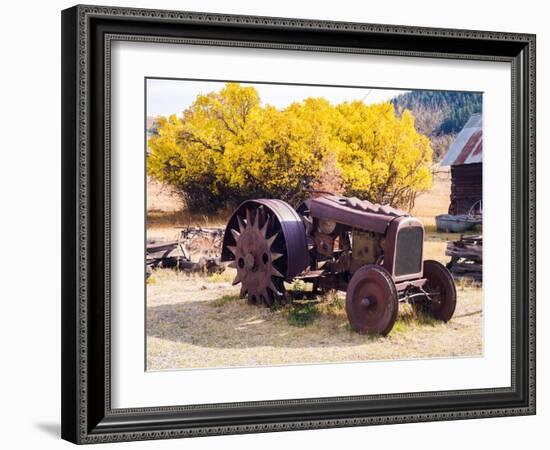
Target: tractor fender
[[291, 225]]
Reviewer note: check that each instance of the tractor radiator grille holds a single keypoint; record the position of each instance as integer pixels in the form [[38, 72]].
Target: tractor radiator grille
[[409, 251]]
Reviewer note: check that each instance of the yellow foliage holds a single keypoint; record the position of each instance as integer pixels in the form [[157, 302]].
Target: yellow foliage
[[228, 147]]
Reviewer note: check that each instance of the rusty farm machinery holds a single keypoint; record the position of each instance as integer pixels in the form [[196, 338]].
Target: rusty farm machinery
[[372, 252], [176, 253]]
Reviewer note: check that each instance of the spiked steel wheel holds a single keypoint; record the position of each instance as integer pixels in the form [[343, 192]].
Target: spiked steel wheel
[[371, 300], [256, 253], [265, 241]]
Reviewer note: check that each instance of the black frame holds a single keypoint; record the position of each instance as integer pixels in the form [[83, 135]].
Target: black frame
[[87, 31]]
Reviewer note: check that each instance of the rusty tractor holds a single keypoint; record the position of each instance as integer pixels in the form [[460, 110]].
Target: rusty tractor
[[372, 252]]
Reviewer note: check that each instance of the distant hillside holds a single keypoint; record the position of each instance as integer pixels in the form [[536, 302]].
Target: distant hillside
[[440, 115]]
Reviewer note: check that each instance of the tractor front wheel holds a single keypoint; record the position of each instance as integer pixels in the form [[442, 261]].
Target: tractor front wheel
[[371, 300], [440, 301]]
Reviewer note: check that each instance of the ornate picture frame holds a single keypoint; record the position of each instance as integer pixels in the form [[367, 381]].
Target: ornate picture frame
[[87, 35]]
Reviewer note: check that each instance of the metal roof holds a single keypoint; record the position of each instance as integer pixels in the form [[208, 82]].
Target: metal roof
[[467, 148]]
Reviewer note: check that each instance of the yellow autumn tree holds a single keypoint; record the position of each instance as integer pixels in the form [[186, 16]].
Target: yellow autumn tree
[[227, 147], [385, 159]]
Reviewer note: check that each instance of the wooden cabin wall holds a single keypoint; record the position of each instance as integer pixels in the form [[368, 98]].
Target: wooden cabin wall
[[466, 187]]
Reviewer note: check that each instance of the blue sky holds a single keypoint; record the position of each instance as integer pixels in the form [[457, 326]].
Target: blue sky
[[165, 97]]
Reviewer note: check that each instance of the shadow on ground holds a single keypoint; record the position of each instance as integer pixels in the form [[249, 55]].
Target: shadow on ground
[[240, 325]]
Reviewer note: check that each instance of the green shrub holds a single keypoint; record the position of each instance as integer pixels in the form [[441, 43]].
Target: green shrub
[[302, 315]]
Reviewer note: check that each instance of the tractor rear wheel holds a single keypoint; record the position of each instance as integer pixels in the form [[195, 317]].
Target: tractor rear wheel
[[257, 255], [440, 287], [371, 300], [265, 242]]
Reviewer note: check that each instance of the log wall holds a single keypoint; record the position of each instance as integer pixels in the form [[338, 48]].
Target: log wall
[[466, 187]]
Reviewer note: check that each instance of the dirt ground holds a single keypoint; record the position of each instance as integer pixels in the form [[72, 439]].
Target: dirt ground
[[197, 321]]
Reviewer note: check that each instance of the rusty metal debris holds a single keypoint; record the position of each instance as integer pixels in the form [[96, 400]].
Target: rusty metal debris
[[466, 257], [177, 253], [373, 252]]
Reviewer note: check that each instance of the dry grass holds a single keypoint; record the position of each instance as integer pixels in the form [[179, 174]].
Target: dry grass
[[435, 201], [195, 321], [162, 224], [162, 197], [166, 211]]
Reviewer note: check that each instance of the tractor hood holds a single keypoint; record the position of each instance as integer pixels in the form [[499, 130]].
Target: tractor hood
[[354, 212]]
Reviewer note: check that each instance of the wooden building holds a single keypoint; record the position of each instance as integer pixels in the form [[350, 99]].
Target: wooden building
[[465, 158]]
